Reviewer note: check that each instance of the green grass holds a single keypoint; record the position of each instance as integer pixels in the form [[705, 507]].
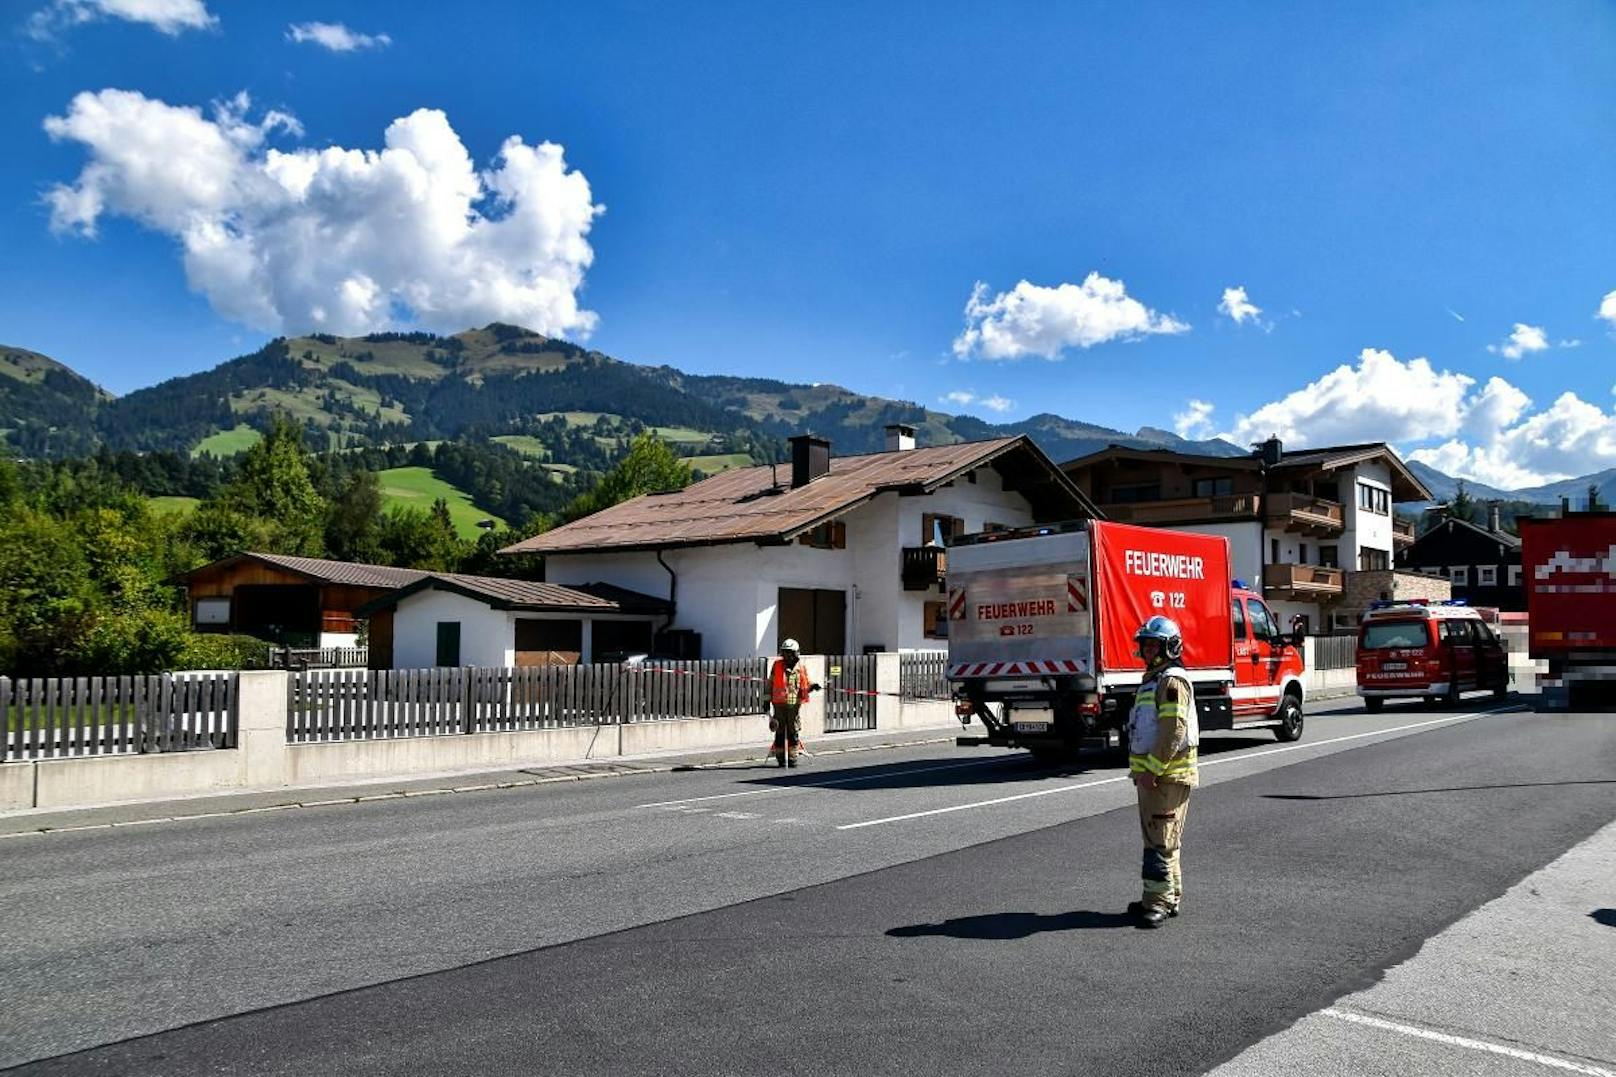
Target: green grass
[[682, 435], [418, 487], [522, 443], [173, 503], [712, 465], [228, 442]]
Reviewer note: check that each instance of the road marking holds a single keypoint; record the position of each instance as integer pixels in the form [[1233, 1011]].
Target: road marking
[[1465, 1041], [1208, 763], [833, 781]]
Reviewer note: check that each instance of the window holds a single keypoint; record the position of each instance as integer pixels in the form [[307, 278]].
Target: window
[[1486, 575], [212, 613], [1457, 632], [1514, 575], [934, 621], [1329, 556], [1381, 635], [831, 536], [1459, 575], [939, 529], [1374, 499], [1238, 609], [1137, 491], [448, 643], [1262, 622], [1273, 551], [1214, 487], [990, 528], [1371, 560], [1301, 553]]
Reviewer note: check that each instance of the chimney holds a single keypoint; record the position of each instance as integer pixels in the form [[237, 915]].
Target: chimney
[[900, 437], [1271, 451], [1565, 506], [810, 458], [1593, 497], [1492, 518]]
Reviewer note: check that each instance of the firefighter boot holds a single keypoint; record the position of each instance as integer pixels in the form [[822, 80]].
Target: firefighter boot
[[1136, 909]]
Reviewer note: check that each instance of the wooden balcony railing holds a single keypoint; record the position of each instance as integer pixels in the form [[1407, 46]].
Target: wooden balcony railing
[[1302, 512], [923, 567], [1403, 532], [1303, 580], [1184, 509]]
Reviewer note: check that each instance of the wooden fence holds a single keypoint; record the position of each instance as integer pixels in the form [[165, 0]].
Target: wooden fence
[[60, 717], [923, 675], [318, 657], [339, 704], [1335, 652]]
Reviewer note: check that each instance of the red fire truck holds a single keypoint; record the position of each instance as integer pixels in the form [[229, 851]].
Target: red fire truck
[[1569, 568], [1041, 623]]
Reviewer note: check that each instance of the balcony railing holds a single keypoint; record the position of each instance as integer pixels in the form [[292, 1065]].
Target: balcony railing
[[1402, 532], [923, 567], [1301, 580], [1184, 509], [1302, 512]]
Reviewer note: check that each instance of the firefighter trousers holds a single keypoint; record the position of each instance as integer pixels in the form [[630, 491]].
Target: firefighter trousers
[[787, 729], [1162, 812]]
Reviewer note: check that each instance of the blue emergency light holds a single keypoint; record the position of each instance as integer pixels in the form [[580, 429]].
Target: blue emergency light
[[1239, 585]]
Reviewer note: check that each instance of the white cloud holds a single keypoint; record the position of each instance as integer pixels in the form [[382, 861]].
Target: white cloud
[[337, 240], [1607, 308], [1381, 399], [963, 398], [1195, 421], [1035, 320], [1571, 437], [335, 36], [1522, 340], [1235, 304], [168, 16]]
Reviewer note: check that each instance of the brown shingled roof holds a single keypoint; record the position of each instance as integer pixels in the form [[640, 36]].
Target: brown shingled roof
[[508, 594], [746, 505], [353, 573]]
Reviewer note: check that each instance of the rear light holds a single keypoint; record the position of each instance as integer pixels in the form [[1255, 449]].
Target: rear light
[[964, 708], [1089, 706]]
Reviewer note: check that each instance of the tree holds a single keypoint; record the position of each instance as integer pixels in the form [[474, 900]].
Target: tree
[[648, 467], [273, 483], [412, 538], [1462, 506], [353, 522]]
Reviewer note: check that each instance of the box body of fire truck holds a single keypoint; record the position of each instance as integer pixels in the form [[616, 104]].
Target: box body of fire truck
[[1568, 566], [1041, 625]]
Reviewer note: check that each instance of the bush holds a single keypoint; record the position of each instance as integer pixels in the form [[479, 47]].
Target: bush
[[213, 651]]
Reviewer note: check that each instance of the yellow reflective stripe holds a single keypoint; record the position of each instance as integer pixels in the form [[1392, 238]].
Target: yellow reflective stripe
[[1168, 710], [1144, 763]]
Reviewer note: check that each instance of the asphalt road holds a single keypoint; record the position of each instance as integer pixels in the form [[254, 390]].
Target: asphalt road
[[927, 909]]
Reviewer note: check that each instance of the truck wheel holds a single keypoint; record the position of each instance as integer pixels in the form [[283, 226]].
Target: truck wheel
[[1451, 697], [1290, 719], [1373, 704]]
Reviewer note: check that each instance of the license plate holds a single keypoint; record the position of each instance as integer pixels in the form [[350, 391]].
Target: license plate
[[1032, 727], [1394, 665]]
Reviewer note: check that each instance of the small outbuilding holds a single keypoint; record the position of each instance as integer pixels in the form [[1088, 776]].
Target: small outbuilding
[[449, 619]]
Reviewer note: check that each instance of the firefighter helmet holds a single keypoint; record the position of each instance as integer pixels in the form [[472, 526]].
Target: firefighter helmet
[[789, 645], [1165, 631]]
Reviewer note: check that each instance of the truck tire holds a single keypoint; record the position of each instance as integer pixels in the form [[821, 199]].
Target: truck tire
[[1451, 697], [1373, 704], [1290, 718]]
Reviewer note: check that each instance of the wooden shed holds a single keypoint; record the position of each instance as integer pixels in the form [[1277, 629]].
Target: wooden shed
[[295, 601]]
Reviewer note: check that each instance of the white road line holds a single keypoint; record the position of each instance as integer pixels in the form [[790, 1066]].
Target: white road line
[[1464, 1041], [834, 781], [1208, 763]]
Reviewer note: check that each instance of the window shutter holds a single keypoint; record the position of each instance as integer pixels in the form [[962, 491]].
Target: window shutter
[[838, 536]]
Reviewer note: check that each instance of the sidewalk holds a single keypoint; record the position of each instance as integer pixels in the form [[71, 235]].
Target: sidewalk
[[1523, 985], [135, 813]]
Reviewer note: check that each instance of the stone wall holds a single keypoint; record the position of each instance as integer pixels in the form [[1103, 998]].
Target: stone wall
[[1362, 588]]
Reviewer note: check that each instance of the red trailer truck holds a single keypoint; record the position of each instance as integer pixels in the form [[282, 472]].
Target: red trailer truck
[[1569, 568], [1041, 624]]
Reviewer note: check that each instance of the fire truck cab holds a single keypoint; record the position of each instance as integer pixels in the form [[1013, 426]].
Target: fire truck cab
[[1429, 650]]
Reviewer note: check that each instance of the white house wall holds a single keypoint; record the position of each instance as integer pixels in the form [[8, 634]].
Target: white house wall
[[487, 636], [729, 593], [1366, 529]]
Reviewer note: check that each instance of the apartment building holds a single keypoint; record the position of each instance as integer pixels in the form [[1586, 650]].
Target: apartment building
[[1298, 523]]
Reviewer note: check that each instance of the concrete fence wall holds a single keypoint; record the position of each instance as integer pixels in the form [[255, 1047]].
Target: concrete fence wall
[[263, 760]]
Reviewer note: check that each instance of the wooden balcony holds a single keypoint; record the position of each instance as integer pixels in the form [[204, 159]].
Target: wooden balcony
[[923, 567], [1302, 581], [1402, 532], [1305, 514], [1184, 510]]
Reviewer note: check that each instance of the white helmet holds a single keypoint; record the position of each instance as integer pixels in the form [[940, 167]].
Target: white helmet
[[1163, 630], [790, 645]]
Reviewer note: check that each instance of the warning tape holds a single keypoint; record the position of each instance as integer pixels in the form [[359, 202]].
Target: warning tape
[[764, 680]]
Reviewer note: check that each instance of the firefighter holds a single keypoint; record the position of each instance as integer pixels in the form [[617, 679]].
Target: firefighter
[[1163, 733], [788, 691]]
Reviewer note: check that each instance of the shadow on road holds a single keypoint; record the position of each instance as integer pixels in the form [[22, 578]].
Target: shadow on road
[[1441, 789], [1012, 925], [1600, 916]]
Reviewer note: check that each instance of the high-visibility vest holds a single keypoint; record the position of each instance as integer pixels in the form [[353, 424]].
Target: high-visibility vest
[[1144, 722], [780, 691]]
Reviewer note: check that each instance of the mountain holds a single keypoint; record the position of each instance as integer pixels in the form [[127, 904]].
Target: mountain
[[45, 408], [1575, 489], [562, 404], [1443, 487]]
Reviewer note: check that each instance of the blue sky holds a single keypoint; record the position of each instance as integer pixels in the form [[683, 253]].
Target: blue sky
[[815, 192]]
